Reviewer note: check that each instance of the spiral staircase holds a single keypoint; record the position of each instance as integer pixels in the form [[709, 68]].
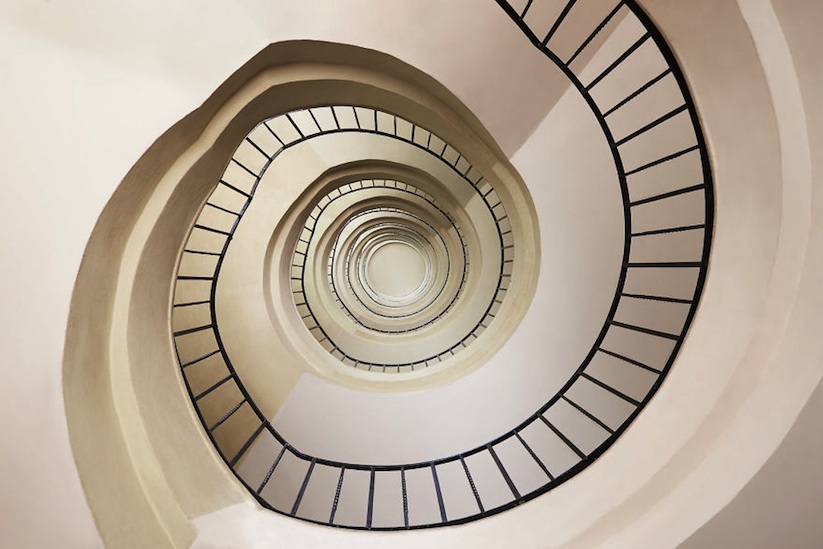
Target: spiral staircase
[[527, 273]]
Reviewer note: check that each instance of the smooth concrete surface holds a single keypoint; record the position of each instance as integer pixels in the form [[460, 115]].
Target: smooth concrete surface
[[91, 93], [651, 509], [781, 505], [697, 423], [137, 297], [396, 269], [582, 250]]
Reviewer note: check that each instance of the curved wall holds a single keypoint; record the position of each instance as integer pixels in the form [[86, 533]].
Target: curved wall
[[757, 278]]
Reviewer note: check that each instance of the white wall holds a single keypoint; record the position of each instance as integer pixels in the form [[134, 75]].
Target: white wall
[[581, 222], [88, 87]]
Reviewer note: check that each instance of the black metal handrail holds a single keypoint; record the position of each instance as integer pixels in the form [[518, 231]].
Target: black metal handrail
[[369, 307], [276, 491], [367, 121], [308, 236]]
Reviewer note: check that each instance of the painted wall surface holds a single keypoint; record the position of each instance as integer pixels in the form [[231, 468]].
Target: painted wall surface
[[88, 86], [780, 506], [582, 238]]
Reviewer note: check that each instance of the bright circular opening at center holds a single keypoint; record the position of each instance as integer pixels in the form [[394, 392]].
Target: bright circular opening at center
[[396, 269]]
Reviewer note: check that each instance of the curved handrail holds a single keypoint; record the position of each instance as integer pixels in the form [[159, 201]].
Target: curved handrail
[[527, 435], [310, 225]]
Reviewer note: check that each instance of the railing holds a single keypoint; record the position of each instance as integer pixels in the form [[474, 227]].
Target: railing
[[306, 124], [396, 315], [581, 421], [307, 237]]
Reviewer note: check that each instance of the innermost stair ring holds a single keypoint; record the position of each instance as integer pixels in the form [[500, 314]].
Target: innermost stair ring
[[395, 270]]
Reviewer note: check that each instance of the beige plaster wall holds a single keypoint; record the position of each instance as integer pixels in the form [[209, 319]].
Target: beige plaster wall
[[748, 365], [119, 320], [780, 505], [88, 86], [581, 224], [85, 95]]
